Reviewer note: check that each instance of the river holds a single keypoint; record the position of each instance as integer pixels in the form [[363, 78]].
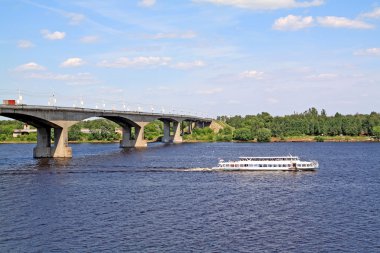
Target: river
[[155, 200]]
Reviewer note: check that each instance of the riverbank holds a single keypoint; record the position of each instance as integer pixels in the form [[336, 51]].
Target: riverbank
[[273, 139], [324, 139]]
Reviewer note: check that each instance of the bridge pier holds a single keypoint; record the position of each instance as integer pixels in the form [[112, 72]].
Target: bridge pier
[[44, 148], [189, 128], [61, 148], [138, 141], [203, 124], [176, 137]]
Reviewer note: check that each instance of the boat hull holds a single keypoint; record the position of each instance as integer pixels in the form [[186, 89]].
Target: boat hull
[[262, 169]]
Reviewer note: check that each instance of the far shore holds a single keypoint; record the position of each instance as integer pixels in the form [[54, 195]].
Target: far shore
[[273, 139]]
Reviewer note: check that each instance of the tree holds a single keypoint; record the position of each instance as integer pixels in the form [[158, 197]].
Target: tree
[[376, 132], [243, 134], [263, 135], [153, 130], [74, 133]]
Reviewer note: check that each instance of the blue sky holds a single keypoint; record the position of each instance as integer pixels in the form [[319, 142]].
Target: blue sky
[[206, 57]]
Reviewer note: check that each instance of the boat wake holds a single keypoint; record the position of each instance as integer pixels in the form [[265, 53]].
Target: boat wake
[[197, 169]]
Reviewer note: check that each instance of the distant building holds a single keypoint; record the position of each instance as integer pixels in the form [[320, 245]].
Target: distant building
[[118, 131], [90, 131], [25, 131]]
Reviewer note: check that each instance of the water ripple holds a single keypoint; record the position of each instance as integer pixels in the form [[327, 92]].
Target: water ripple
[[165, 198]]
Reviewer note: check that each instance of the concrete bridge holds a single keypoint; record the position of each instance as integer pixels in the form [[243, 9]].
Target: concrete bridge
[[45, 118]]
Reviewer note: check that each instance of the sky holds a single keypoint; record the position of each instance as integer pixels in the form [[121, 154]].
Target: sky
[[199, 57]]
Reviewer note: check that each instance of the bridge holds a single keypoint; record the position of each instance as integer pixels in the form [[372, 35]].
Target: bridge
[[46, 118]]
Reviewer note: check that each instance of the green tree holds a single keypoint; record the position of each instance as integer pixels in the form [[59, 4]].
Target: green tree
[[263, 135], [153, 130], [243, 134], [225, 134], [74, 133], [376, 132]]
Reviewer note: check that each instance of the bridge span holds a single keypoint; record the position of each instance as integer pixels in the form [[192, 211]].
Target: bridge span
[[46, 118]]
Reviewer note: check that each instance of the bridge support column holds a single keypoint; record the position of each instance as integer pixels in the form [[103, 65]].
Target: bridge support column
[[138, 141], [43, 148], [166, 138], [176, 137], [61, 148], [191, 127], [202, 124]]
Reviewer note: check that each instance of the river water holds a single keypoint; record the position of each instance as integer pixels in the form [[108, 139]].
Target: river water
[[155, 200]]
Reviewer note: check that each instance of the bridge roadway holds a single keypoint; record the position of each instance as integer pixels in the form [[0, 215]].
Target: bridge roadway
[[45, 118]]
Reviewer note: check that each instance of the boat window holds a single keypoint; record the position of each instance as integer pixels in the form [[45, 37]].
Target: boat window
[[251, 165], [265, 165]]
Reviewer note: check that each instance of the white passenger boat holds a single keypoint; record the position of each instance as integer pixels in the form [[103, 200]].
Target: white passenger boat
[[273, 163]]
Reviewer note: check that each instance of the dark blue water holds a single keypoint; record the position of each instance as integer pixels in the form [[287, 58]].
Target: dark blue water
[[107, 199]]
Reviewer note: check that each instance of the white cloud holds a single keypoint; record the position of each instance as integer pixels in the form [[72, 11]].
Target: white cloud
[[185, 35], [210, 91], [258, 75], [147, 3], [189, 65], [265, 4], [373, 14], [369, 52], [322, 77], [75, 18], [342, 22], [53, 35], [25, 44], [80, 78], [292, 23], [30, 66], [72, 62], [125, 62], [89, 39]]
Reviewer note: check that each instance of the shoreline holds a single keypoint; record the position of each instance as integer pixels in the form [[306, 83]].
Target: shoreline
[[273, 140]]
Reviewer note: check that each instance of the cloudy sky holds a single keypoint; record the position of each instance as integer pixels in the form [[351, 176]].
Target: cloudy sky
[[213, 57]]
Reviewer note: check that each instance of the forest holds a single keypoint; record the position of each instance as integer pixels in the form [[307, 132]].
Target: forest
[[308, 123]]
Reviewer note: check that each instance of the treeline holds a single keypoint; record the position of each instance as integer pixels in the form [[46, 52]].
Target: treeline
[[310, 122], [6, 131], [106, 130]]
